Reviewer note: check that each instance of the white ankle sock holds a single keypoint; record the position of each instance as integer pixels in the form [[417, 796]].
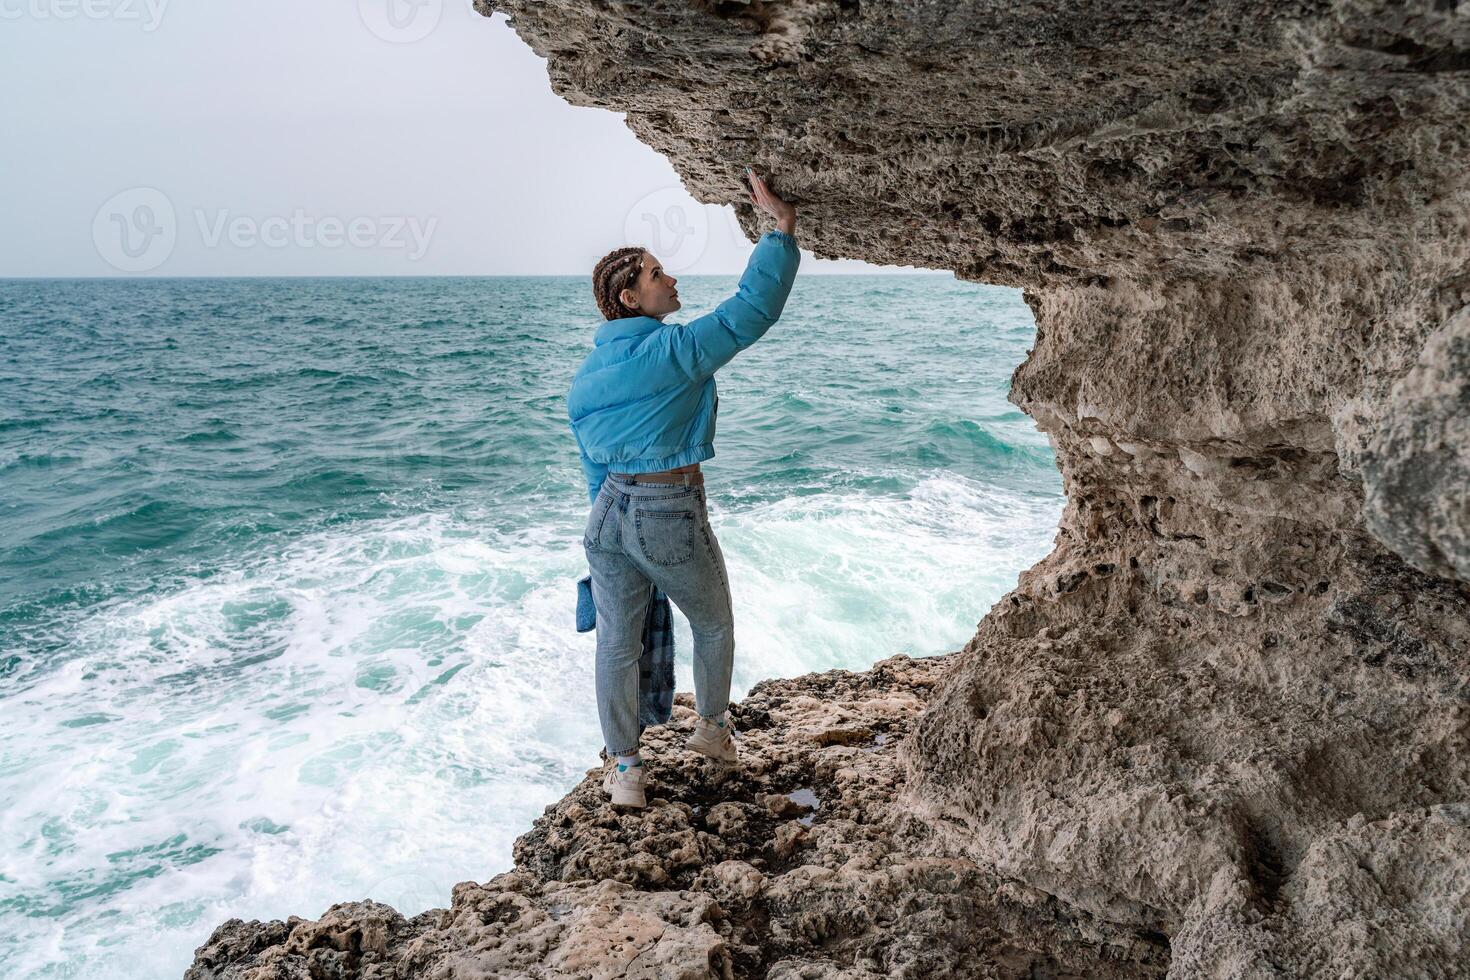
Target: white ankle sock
[[720, 719], [625, 762]]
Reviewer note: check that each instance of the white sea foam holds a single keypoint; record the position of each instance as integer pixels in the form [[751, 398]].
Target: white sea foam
[[842, 580], [352, 763], [417, 696]]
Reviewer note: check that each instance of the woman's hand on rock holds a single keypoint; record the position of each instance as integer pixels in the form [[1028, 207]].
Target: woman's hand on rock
[[764, 200]]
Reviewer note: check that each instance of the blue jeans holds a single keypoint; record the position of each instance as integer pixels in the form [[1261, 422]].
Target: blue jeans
[[641, 536]]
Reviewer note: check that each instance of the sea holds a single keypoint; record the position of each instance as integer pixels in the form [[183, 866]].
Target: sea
[[288, 570]]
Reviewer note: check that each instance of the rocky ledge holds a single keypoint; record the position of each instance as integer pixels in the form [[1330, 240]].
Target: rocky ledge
[[1223, 730], [803, 862]]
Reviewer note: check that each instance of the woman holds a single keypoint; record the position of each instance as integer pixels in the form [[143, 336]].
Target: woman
[[643, 408]]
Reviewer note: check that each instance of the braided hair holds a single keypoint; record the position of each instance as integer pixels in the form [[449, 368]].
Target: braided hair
[[618, 270]]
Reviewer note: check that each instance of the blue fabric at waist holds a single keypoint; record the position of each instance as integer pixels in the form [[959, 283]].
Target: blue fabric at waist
[[657, 464]]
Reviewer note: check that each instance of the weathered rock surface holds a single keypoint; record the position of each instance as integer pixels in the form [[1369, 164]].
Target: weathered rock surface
[[1223, 730], [800, 864]]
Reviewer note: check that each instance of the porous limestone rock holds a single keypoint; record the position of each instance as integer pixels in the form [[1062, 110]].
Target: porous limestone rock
[[799, 864], [1223, 729]]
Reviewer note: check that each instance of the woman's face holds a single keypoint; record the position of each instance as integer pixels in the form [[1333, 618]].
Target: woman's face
[[653, 293]]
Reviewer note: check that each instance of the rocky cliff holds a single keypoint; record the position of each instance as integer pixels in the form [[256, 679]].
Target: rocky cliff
[[1223, 730]]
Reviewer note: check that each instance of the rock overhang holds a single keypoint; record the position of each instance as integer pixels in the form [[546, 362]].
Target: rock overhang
[[1034, 144]]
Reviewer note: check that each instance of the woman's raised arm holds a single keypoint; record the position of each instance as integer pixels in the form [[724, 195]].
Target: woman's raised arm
[[705, 344]]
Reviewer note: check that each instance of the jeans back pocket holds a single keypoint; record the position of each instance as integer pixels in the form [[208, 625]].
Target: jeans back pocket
[[666, 537]]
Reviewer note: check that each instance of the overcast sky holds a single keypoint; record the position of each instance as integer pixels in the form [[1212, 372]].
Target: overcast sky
[[329, 137]]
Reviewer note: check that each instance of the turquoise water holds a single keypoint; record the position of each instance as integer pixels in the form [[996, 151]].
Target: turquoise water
[[287, 571]]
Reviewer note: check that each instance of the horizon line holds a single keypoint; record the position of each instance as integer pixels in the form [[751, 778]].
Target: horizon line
[[451, 275]]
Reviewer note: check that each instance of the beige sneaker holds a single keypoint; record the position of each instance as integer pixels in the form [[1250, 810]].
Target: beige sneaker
[[714, 741], [625, 788]]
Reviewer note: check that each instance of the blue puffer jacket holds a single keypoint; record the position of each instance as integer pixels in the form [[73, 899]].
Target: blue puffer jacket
[[645, 397]]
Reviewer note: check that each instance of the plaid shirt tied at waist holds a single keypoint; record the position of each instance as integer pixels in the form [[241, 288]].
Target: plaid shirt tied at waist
[[655, 666]]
